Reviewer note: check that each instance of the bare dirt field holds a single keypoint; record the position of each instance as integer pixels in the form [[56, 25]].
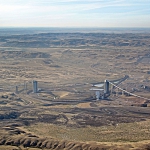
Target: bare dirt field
[[64, 113]]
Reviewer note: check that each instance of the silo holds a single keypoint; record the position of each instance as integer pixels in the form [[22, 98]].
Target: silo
[[106, 87], [35, 87]]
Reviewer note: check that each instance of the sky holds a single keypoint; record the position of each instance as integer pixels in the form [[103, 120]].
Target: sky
[[75, 13]]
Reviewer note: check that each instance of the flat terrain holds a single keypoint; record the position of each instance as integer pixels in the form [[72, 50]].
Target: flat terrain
[[65, 114]]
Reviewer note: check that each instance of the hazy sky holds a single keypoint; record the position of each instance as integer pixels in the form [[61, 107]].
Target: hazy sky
[[74, 13]]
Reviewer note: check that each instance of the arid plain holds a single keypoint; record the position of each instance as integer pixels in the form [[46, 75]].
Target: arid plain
[[65, 114]]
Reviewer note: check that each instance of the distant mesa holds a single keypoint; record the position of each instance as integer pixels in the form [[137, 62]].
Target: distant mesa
[[23, 54]]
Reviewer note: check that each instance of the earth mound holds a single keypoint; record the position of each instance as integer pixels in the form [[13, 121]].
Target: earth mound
[[23, 54]]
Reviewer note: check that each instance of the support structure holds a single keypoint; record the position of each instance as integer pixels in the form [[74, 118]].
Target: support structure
[[97, 95]]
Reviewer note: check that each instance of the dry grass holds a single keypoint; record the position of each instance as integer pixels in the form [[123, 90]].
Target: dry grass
[[125, 132], [84, 105], [18, 148]]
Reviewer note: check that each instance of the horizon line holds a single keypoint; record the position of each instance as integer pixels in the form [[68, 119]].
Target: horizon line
[[74, 27]]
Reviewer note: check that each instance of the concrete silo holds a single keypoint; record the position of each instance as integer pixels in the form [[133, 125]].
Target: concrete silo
[[35, 86], [106, 87]]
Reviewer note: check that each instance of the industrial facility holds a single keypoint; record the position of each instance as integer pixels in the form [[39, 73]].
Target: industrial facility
[[102, 93], [105, 90]]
